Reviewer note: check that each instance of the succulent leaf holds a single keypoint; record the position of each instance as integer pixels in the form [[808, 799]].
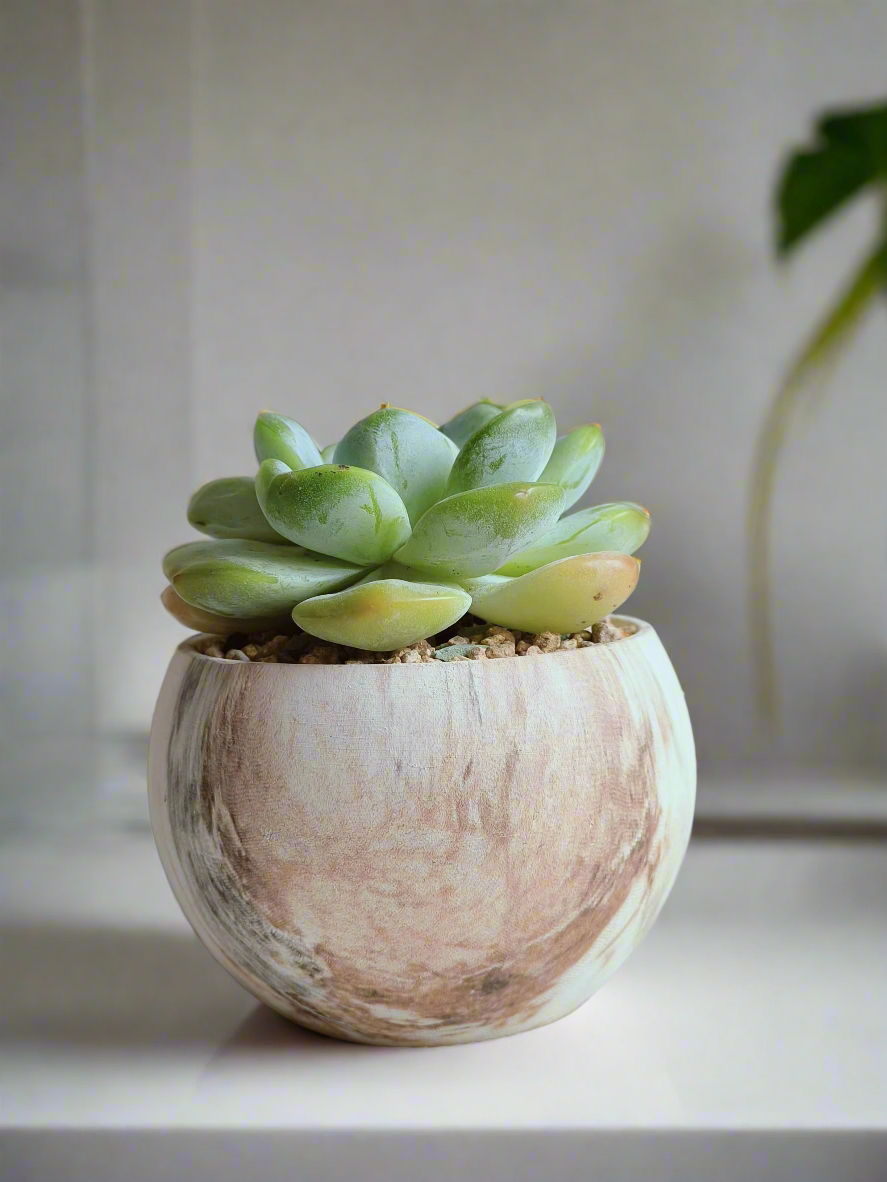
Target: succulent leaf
[[334, 509], [406, 450], [575, 461], [460, 428], [515, 445], [268, 471], [408, 574], [479, 585], [278, 438], [199, 620], [564, 596], [181, 558], [618, 525], [474, 532], [229, 508], [252, 579], [328, 453], [382, 615]]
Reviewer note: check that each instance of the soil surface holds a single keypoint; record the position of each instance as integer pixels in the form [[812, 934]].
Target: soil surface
[[468, 640]]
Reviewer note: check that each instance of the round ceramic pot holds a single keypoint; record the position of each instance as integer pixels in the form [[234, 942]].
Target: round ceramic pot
[[415, 855]]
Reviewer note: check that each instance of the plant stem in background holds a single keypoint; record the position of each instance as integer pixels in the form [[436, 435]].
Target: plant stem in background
[[833, 334], [848, 156]]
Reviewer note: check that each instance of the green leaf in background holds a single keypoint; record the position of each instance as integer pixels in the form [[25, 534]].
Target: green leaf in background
[[618, 526], [463, 426], [404, 448], [515, 445], [229, 508], [278, 438], [382, 615], [474, 532], [575, 461], [328, 453], [564, 596], [864, 129], [334, 509], [241, 579], [850, 152]]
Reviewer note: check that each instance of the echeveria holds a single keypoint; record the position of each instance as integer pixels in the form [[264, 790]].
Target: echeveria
[[400, 528]]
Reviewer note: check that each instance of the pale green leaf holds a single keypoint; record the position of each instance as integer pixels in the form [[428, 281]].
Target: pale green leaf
[[480, 584], [252, 579], [408, 574], [404, 448], [334, 509], [516, 445], [328, 453], [474, 532], [565, 596], [199, 620], [618, 525], [278, 438], [460, 428], [229, 508], [382, 615], [575, 461], [180, 558], [268, 472]]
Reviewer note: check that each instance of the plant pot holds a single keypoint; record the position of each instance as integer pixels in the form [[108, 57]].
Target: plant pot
[[423, 854]]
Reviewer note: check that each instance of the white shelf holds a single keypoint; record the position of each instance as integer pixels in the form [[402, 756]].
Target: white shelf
[[852, 799], [755, 1009]]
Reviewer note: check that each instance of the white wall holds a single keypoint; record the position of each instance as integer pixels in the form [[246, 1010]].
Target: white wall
[[427, 204], [48, 688], [138, 85], [319, 207]]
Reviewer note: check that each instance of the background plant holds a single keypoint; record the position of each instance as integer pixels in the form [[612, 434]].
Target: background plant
[[396, 531], [847, 158]]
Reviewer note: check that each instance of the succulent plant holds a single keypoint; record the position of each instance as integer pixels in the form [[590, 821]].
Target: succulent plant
[[402, 527]]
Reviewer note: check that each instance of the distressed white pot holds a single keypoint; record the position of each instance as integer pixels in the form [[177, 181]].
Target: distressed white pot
[[424, 854]]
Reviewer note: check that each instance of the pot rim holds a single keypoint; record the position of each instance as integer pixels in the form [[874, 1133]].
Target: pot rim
[[640, 629]]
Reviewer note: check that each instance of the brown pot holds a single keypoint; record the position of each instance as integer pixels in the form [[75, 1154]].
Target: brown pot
[[430, 853]]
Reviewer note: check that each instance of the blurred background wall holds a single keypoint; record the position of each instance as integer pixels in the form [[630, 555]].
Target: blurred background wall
[[213, 207]]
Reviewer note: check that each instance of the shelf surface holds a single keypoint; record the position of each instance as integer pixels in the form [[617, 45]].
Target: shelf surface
[[758, 1003]]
